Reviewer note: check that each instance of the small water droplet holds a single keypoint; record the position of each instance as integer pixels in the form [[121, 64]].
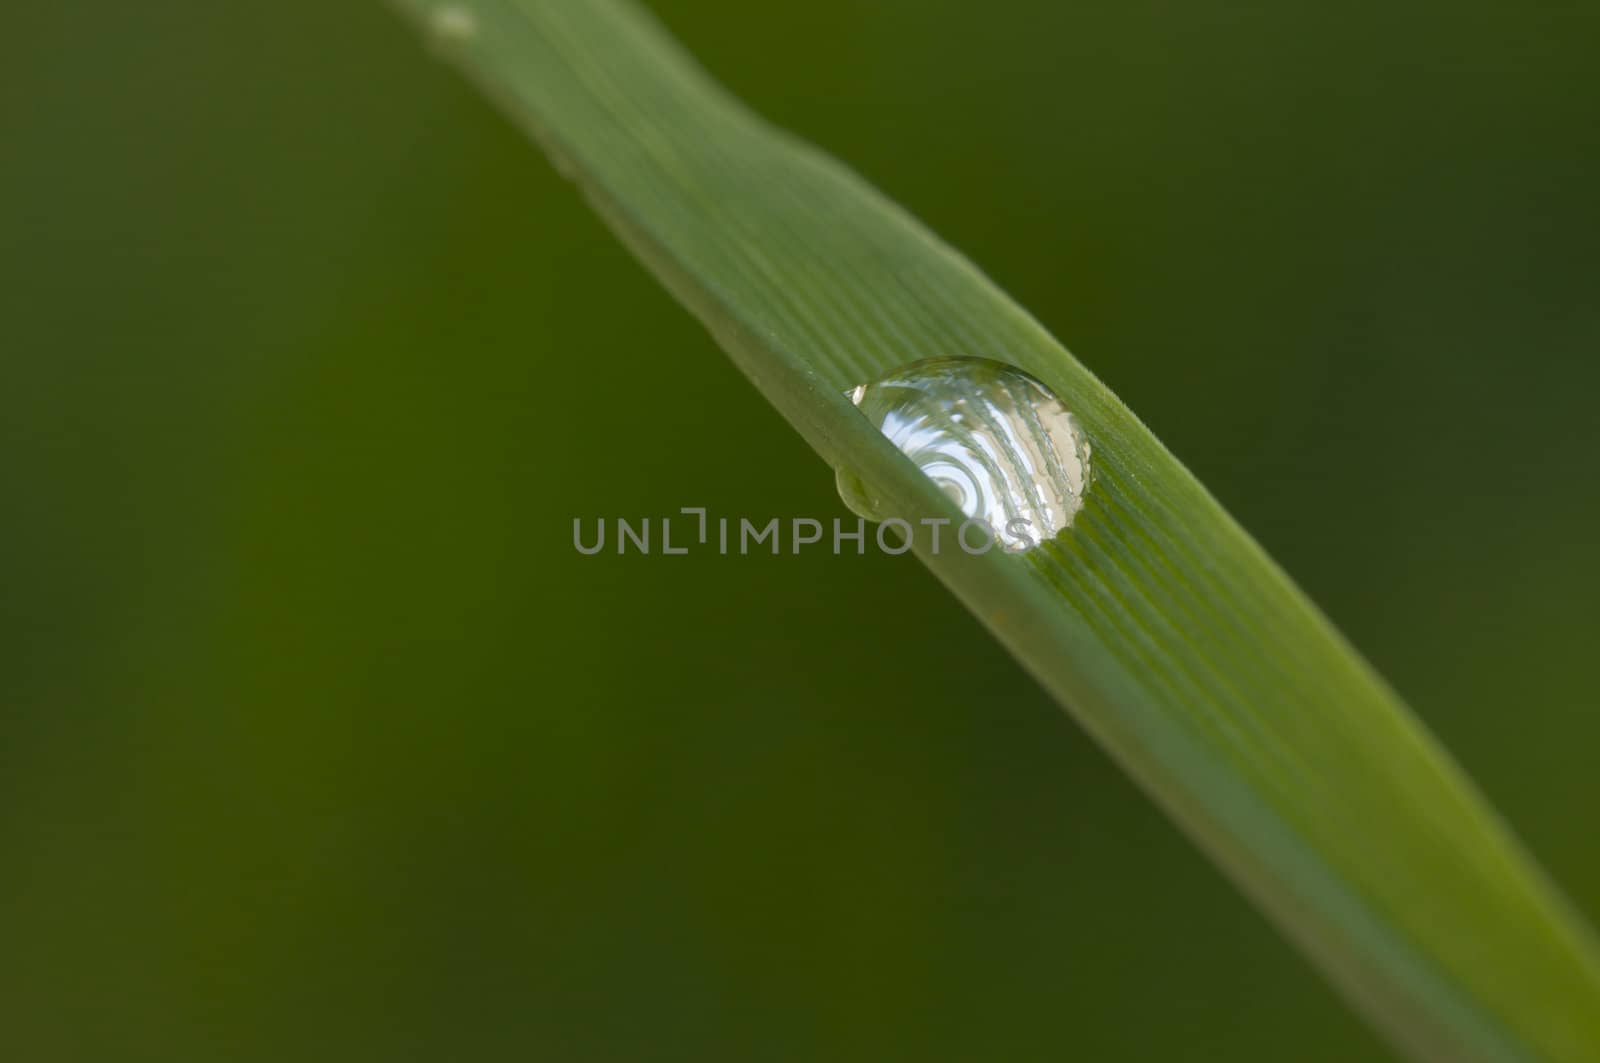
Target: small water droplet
[[453, 24], [999, 442]]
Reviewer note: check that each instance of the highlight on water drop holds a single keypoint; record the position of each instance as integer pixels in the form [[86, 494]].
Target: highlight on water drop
[[997, 441]]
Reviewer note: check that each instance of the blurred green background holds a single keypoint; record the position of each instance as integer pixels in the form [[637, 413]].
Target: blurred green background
[[322, 743]]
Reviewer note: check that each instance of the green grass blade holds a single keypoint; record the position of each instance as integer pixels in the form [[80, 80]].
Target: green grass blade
[[1156, 621]]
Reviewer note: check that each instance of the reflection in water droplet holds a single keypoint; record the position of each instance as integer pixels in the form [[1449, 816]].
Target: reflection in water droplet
[[996, 440]]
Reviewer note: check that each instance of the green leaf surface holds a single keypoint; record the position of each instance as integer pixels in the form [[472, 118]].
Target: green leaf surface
[[1156, 621]]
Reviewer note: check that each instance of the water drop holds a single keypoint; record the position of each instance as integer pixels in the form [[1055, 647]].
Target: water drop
[[997, 441]]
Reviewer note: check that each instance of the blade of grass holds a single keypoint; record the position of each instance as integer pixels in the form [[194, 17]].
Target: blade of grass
[[1156, 621]]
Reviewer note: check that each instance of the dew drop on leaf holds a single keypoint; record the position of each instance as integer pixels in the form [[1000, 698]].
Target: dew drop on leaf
[[997, 441]]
